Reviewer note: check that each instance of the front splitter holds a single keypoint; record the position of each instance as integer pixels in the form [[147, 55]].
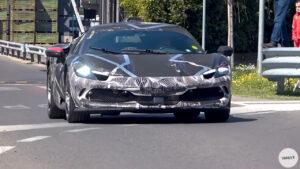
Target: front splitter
[[97, 107]]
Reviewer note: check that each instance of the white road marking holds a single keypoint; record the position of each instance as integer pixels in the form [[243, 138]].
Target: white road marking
[[17, 107], [4, 149], [82, 130], [11, 128], [33, 139], [43, 105], [239, 103], [42, 87], [9, 89], [259, 113], [128, 125], [18, 84]]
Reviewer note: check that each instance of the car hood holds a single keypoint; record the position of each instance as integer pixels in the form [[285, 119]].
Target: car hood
[[153, 65]]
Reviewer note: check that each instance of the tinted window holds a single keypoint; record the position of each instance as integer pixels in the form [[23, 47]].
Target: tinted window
[[78, 45], [166, 41]]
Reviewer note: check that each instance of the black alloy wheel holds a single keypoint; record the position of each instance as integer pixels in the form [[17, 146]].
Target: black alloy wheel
[[53, 111], [221, 115]]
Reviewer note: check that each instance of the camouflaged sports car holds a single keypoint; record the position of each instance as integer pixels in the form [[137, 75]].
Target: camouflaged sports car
[[137, 67]]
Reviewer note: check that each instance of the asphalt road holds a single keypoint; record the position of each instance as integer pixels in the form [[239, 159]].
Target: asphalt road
[[252, 139]]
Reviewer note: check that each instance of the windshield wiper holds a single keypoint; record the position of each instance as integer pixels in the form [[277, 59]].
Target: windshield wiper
[[104, 50], [153, 51]]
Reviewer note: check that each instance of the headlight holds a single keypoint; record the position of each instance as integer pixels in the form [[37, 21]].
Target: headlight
[[84, 71], [211, 71], [209, 74], [222, 70], [103, 76]]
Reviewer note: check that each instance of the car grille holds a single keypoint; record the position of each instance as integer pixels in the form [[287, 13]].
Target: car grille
[[197, 95], [103, 95], [115, 96]]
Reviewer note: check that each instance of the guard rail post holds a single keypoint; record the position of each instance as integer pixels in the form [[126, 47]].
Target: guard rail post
[[13, 53], [37, 51], [19, 54], [39, 59], [32, 57], [280, 85], [24, 52]]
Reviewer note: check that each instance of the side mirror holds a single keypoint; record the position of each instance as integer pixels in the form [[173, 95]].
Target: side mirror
[[54, 52], [225, 50]]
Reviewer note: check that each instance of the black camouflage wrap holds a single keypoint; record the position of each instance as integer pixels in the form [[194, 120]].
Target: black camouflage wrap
[[147, 75]]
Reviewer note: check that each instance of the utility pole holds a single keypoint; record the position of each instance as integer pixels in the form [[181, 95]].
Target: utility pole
[[261, 35], [117, 10], [204, 25], [103, 11], [109, 11], [8, 21], [77, 16], [230, 41]]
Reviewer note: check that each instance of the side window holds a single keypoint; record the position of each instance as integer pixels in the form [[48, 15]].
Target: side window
[[78, 45], [73, 44]]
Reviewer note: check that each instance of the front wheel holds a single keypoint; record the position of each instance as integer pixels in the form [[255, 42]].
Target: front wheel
[[221, 115], [71, 115], [53, 111], [187, 115]]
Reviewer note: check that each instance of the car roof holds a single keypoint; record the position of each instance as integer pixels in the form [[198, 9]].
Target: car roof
[[135, 25]]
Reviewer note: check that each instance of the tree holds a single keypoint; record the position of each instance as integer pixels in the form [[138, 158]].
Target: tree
[[131, 7]]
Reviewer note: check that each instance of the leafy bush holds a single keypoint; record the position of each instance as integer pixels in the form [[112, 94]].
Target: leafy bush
[[247, 82], [246, 76]]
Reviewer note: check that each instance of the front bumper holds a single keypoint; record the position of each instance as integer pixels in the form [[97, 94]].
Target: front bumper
[[143, 94]]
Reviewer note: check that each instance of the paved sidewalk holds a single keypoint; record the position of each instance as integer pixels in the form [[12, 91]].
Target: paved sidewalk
[[248, 105], [258, 100]]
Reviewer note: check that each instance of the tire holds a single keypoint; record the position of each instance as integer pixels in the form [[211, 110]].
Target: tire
[[221, 115], [187, 115], [71, 115], [53, 111]]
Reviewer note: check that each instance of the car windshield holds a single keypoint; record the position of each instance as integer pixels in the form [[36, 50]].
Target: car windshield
[[132, 41]]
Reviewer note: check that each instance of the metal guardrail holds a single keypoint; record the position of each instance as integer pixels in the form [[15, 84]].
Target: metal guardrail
[[281, 63], [35, 50], [22, 51], [276, 64]]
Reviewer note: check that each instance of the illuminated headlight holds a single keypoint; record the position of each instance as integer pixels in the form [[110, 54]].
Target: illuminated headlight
[[211, 71], [83, 71], [209, 74], [222, 71]]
